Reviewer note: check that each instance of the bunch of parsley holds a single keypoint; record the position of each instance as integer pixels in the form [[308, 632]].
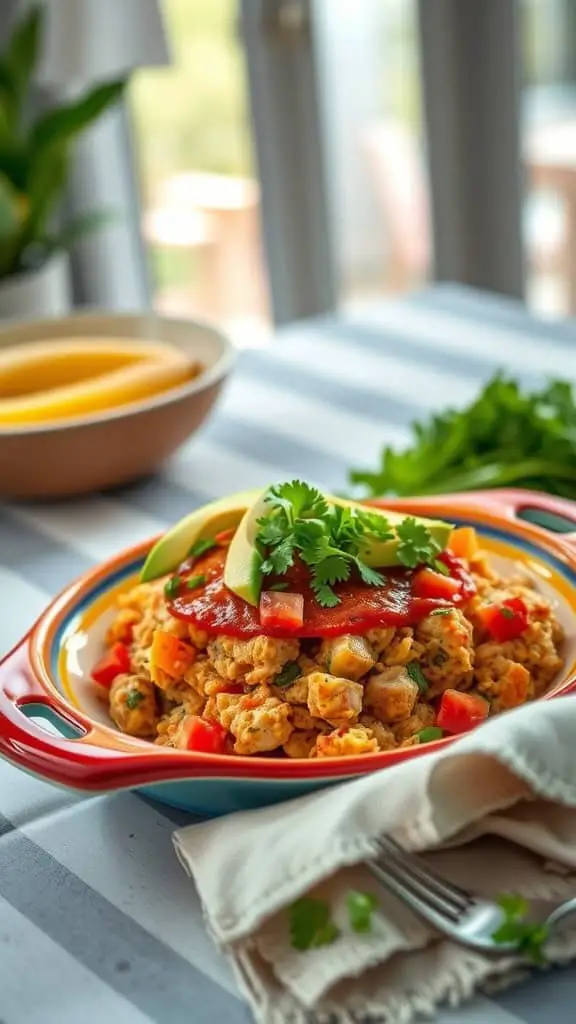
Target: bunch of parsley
[[329, 539], [507, 437]]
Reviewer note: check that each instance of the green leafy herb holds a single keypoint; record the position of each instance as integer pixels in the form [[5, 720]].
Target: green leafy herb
[[506, 613], [193, 582], [432, 732], [441, 611], [416, 543], [311, 924], [361, 906], [172, 586], [288, 675], [278, 586], [200, 547], [417, 676], [330, 539], [528, 936], [507, 437], [440, 567], [133, 699]]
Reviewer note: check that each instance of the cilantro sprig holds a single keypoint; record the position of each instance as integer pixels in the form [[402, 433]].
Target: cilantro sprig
[[330, 539], [506, 437], [311, 924], [528, 936]]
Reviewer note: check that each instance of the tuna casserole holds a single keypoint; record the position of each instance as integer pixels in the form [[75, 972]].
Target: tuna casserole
[[378, 659]]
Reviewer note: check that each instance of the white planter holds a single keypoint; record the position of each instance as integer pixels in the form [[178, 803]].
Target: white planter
[[37, 293]]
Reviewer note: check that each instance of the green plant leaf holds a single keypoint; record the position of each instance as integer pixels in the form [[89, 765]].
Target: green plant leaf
[[21, 56], [14, 156], [46, 183], [75, 229], [9, 225], [61, 125]]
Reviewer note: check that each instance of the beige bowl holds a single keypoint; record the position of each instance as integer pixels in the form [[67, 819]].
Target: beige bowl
[[87, 454]]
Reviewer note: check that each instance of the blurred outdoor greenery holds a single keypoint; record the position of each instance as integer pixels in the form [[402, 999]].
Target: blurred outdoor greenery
[[193, 114]]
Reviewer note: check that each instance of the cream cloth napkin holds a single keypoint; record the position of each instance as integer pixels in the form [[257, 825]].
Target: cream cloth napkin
[[505, 795]]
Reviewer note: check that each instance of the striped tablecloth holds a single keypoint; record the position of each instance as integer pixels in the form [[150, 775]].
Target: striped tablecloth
[[97, 920]]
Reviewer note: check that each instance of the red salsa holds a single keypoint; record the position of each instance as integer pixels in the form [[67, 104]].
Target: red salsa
[[215, 609]]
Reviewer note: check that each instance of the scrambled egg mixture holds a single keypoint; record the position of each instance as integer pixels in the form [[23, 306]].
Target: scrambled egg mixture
[[342, 696]]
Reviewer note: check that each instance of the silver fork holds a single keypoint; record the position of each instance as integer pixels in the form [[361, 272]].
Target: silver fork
[[466, 919]]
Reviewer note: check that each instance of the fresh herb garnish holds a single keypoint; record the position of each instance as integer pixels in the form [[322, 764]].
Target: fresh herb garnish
[[311, 924], [430, 733], [200, 547], [507, 437], [441, 611], [288, 675], [330, 539], [440, 567], [361, 906], [528, 936], [172, 586], [195, 581], [417, 676], [278, 586], [133, 699], [417, 546], [506, 613]]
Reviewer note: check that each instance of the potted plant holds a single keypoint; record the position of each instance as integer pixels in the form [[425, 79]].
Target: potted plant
[[35, 155]]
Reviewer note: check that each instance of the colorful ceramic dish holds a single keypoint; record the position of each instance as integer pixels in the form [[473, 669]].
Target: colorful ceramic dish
[[48, 676]]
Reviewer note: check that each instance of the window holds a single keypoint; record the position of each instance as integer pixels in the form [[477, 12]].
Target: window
[[549, 151], [201, 204], [375, 164]]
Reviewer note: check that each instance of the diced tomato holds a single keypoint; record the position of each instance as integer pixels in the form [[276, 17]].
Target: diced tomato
[[281, 609], [224, 537], [464, 542], [114, 663], [458, 571], [505, 621], [170, 654], [202, 736], [460, 712], [428, 583]]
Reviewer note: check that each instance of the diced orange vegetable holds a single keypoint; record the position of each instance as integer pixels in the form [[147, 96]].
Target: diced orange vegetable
[[464, 542], [170, 655]]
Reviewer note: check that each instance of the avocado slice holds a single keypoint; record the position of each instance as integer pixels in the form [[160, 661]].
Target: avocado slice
[[171, 550], [384, 554], [242, 567]]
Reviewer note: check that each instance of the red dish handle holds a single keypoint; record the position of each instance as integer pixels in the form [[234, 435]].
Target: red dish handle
[[98, 759], [506, 501]]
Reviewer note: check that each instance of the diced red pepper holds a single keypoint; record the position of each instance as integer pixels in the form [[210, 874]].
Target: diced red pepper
[[281, 609], [458, 571], [428, 583], [202, 736], [505, 621], [114, 663], [224, 537], [460, 712]]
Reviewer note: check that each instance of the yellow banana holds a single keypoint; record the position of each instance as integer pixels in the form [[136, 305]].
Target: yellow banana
[[41, 365], [98, 392]]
